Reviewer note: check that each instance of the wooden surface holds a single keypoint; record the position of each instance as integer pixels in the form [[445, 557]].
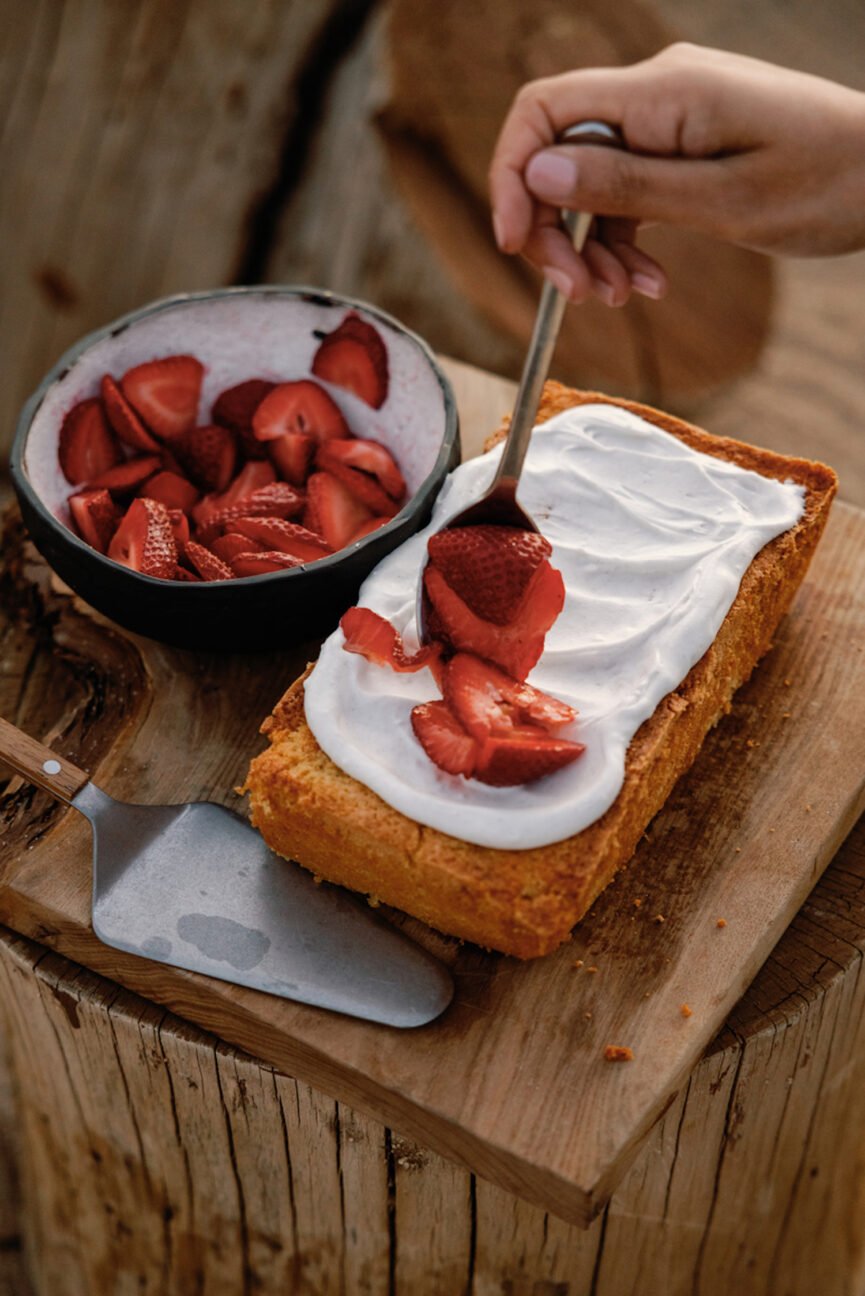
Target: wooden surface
[[743, 837]]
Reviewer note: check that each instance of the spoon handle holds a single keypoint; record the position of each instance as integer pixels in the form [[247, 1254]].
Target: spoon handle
[[40, 765]]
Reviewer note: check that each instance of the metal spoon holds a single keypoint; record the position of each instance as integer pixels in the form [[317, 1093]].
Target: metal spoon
[[499, 505]]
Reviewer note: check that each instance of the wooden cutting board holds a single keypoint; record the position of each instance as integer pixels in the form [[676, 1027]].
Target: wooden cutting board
[[512, 1081]]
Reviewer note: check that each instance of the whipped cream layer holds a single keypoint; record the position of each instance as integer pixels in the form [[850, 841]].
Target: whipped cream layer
[[652, 539]]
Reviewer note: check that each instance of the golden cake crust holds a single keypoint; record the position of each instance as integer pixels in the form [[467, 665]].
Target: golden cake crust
[[525, 902]]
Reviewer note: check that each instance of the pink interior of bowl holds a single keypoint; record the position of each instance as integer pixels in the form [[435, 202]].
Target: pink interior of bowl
[[242, 336]]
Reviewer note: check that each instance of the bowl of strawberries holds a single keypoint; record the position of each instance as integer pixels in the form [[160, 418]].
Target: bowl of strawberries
[[222, 470]]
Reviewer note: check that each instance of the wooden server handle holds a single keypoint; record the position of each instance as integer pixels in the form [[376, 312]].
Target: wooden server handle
[[40, 765]]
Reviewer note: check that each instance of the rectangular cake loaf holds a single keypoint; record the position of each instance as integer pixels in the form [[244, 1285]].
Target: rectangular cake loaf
[[525, 902]]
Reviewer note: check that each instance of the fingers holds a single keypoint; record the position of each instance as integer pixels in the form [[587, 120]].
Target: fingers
[[608, 270]]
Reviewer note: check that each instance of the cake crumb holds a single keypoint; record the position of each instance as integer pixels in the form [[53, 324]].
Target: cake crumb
[[808, 808], [738, 850], [592, 968], [578, 963], [638, 903], [785, 715], [752, 742], [788, 683], [686, 1010], [588, 1015], [618, 1053], [722, 922], [659, 918]]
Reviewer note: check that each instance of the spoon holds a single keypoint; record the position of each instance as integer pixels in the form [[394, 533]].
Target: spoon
[[499, 506]]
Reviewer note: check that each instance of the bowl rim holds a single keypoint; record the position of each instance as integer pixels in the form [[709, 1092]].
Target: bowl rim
[[304, 292]]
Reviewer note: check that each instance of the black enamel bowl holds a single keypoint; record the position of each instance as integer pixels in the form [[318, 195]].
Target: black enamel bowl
[[237, 333]]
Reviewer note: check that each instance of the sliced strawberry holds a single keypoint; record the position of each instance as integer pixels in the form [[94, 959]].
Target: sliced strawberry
[[209, 455], [95, 515], [165, 393], [286, 537], [235, 407], [128, 476], [369, 457], [208, 566], [278, 500], [362, 486], [87, 447], [174, 491], [523, 757], [489, 703], [180, 527], [516, 648], [332, 510], [250, 478], [123, 418], [490, 567], [229, 546], [443, 738], [368, 527], [182, 574], [291, 455], [375, 638], [354, 356], [261, 562], [144, 540], [302, 407]]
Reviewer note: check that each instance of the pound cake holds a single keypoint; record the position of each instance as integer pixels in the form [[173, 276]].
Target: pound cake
[[524, 899]]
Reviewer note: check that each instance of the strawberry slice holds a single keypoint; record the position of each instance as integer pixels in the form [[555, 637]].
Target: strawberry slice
[[443, 738], [354, 357], [180, 527], [286, 537], [489, 703], [261, 562], [517, 647], [128, 476], [529, 754], [174, 491], [369, 457], [165, 393], [375, 638], [364, 487], [235, 407], [332, 510], [144, 540], [368, 527], [490, 567], [278, 500], [123, 418], [291, 455], [209, 455], [95, 515], [250, 478], [208, 566], [183, 575], [229, 546], [303, 407], [86, 447]]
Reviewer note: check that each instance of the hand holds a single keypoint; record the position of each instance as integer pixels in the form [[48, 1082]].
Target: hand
[[727, 145]]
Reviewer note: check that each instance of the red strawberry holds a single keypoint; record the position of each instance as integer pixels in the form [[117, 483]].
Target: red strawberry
[[362, 486], [182, 574], [235, 407], [261, 562], [490, 567], [516, 648], [286, 537], [332, 510], [128, 476], [250, 478], [175, 492], [144, 540], [229, 546], [368, 457], [523, 757], [278, 500], [375, 638], [292, 455], [443, 738], [180, 527], [489, 703], [368, 527], [95, 515], [87, 447], [165, 393], [208, 566], [301, 406], [354, 356], [209, 454], [123, 418]]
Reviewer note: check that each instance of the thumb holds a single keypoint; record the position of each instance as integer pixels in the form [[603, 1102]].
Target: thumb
[[699, 193]]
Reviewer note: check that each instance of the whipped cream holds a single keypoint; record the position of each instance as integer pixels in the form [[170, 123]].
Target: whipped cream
[[652, 539]]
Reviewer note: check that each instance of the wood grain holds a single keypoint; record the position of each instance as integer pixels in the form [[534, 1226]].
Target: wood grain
[[746, 847]]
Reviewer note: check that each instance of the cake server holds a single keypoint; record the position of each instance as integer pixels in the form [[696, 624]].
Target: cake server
[[195, 886], [499, 505]]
